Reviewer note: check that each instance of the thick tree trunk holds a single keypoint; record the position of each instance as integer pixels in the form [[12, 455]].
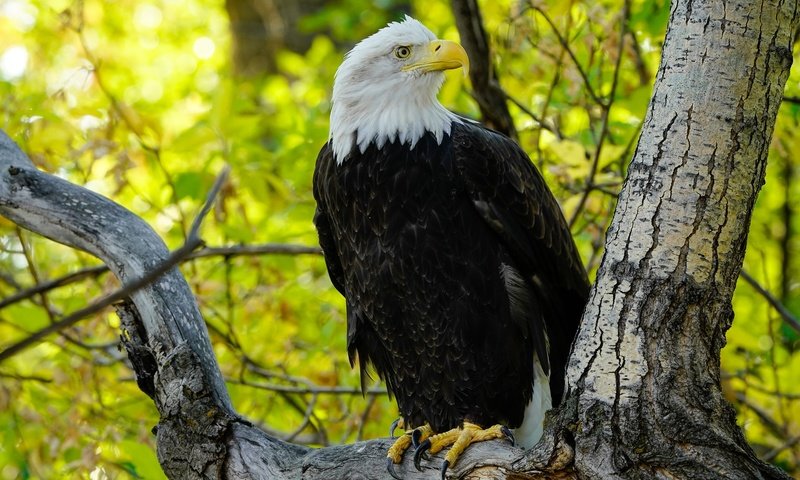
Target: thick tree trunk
[[644, 398], [644, 376]]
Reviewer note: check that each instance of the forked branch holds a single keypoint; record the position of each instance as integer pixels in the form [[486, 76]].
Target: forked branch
[[199, 434]]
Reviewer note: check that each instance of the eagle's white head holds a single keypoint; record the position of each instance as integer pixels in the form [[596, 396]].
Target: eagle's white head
[[385, 89]]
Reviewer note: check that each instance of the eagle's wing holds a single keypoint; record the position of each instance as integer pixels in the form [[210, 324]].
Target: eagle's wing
[[324, 172], [513, 199], [325, 163]]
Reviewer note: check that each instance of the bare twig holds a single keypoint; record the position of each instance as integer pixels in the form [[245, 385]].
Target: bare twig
[[606, 106], [365, 417], [193, 241], [762, 414], [769, 456], [638, 60], [542, 123], [263, 249], [52, 284], [310, 389], [749, 385], [129, 118], [27, 378], [788, 214], [554, 81], [565, 45], [790, 319], [227, 251]]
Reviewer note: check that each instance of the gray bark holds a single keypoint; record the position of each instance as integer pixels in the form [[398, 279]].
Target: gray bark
[[644, 376], [644, 397], [199, 434]]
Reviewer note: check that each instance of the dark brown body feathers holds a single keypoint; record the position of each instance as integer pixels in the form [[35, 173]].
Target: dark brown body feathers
[[457, 265]]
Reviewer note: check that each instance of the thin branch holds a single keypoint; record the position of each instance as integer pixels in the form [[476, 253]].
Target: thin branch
[[306, 418], [263, 249], [769, 456], [638, 60], [27, 378], [787, 216], [565, 45], [227, 251], [559, 63], [52, 284], [545, 125], [758, 387], [790, 319], [773, 426], [312, 390], [193, 241], [606, 106], [212, 194], [128, 117]]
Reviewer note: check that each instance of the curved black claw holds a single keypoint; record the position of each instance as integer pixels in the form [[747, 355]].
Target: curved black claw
[[420, 451], [415, 436], [390, 469], [393, 427], [507, 432], [444, 467]]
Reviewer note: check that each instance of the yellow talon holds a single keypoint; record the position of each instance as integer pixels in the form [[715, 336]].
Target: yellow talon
[[459, 439], [471, 434], [495, 431], [425, 441], [445, 439], [399, 447]]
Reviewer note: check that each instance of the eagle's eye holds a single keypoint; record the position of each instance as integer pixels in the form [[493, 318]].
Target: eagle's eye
[[403, 51]]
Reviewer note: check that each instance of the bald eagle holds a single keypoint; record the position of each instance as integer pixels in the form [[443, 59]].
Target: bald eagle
[[463, 286]]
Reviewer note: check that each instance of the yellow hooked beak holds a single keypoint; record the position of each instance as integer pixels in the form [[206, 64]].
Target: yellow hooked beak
[[441, 55]]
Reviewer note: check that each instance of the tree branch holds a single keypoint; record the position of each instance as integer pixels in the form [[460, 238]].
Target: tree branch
[[199, 432], [644, 373], [192, 242], [790, 319], [82, 219], [605, 107], [565, 45], [638, 407], [486, 88], [205, 252]]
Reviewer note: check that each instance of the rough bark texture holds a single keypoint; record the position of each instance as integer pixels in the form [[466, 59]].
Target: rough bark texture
[[645, 370], [199, 435], [644, 396]]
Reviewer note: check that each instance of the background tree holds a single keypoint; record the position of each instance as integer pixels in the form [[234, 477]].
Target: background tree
[[260, 29], [127, 98]]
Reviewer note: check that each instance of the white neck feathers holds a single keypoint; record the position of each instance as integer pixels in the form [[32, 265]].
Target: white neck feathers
[[376, 100], [401, 110]]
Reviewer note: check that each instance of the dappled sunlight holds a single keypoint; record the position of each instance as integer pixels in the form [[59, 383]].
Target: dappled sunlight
[[138, 101]]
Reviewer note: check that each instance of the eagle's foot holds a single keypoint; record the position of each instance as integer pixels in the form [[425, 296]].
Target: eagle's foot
[[458, 439], [412, 437]]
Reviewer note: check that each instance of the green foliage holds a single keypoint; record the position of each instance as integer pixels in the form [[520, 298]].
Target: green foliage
[[135, 100]]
